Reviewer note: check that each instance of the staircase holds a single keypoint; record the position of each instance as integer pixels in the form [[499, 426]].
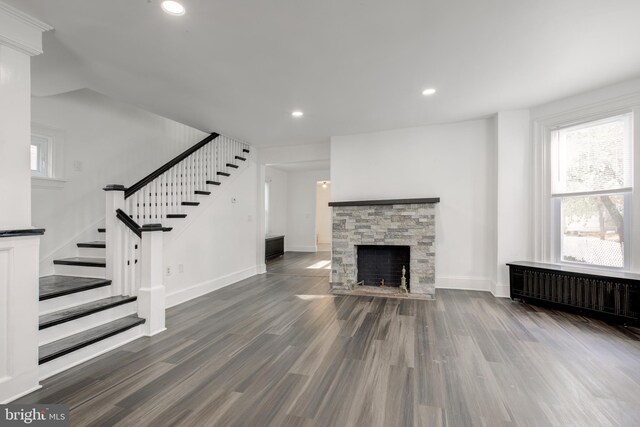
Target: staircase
[[112, 292]]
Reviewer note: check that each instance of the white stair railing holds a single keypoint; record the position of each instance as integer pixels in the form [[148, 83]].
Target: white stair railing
[[134, 216], [163, 192]]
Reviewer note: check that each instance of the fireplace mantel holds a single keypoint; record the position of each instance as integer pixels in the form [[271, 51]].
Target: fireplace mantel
[[387, 202]]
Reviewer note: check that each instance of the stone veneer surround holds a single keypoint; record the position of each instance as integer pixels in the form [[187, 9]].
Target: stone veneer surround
[[410, 225]]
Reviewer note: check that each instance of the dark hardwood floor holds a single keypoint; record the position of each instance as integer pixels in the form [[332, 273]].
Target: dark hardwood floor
[[276, 349]]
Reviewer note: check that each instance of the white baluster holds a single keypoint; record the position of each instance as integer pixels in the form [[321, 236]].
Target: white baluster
[[136, 265], [209, 160], [180, 185], [160, 198], [195, 172], [127, 256], [152, 199], [134, 255], [165, 196], [216, 148], [199, 169], [196, 180], [212, 159], [189, 179], [203, 183], [137, 207], [174, 187], [202, 166], [141, 205]]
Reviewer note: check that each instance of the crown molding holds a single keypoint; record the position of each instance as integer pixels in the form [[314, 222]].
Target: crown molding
[[20, 31], [24, 18]]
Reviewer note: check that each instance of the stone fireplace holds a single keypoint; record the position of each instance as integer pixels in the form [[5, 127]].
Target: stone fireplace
[[361, 226]]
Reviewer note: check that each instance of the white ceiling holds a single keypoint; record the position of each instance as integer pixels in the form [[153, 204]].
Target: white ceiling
[[241, 66]]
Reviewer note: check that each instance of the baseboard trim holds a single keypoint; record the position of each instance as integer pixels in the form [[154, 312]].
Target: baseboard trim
[[262, 268], [21, 394], [463, 283], [501, 291], [155, 333], [301, 249], [203, 288]]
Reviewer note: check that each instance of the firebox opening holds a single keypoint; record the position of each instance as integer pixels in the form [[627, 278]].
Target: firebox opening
[[378, 262]]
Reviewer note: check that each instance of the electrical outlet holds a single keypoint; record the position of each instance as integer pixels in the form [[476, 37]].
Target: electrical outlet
[[180, 268], [168, 271], [77, 166]]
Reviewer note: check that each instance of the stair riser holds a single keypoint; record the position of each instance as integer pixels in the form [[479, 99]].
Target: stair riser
[[66, 329], [81, 271], [72, 300], [92, 252], [202, 198], [174, 222], [86, 353]]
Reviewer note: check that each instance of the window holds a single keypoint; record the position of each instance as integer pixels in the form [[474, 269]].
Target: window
[[591, 192], [41, 150]]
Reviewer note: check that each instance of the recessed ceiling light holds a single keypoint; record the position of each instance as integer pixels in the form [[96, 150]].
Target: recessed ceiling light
[[173, 8], [428, 92], [297, 114]]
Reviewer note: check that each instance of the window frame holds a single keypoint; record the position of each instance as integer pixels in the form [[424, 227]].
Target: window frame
[[557, 196], [549, 248], [55, 178], [45, 165]]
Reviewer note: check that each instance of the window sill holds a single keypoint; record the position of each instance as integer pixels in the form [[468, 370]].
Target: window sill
[[46, 183]]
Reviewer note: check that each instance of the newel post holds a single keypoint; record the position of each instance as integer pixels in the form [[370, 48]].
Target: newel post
[[151, 295], [113, 236]]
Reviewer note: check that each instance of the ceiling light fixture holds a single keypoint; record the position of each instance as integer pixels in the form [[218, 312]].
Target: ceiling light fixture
[[428, 92], [173, 8], [297, 114]]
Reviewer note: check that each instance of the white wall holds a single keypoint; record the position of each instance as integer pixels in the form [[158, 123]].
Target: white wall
[[514, 194], [301, 216], [217, 246], [453, 162], [115, 143], [295, 153], [278, 203], [323, 213]]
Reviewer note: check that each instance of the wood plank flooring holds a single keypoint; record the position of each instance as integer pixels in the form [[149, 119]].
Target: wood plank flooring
[[277, 349]]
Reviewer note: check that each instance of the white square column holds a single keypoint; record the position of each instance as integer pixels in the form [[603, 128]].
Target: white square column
[[20, 38]]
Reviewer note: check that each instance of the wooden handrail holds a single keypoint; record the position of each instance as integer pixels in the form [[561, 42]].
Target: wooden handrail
[[129, 222], [162, 169]]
